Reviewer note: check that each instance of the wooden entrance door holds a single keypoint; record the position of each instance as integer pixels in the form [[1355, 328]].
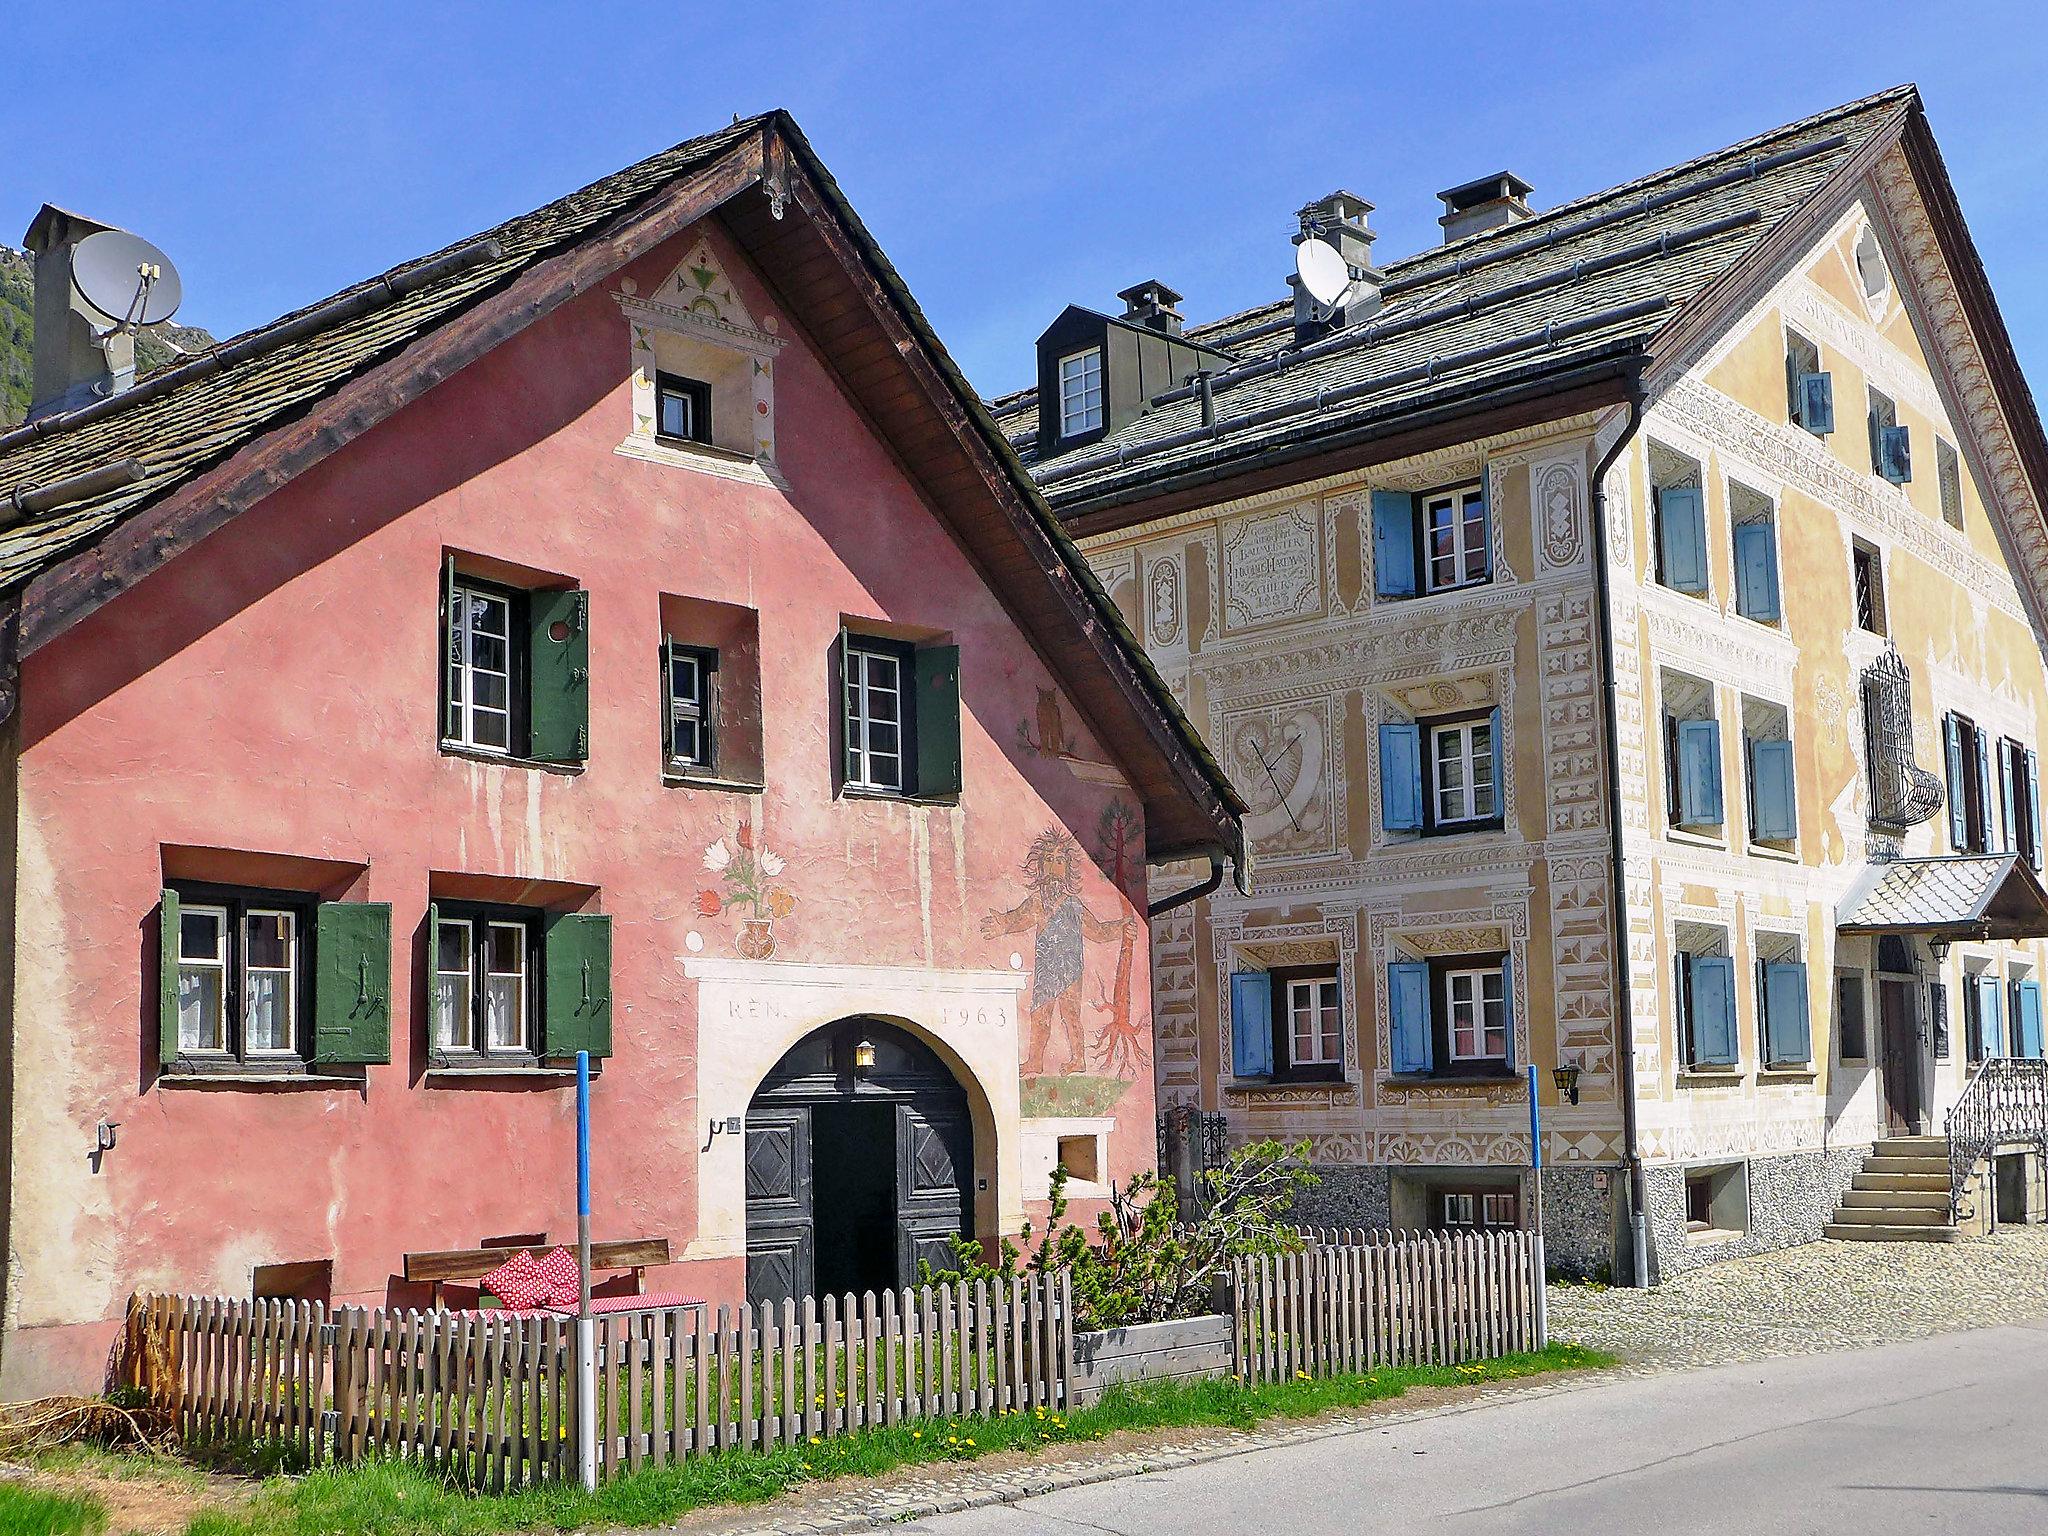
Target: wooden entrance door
[[780, 1234], [1900, 1064], [934, 1156]]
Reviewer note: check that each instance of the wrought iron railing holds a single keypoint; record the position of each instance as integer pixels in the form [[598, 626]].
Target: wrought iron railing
[[2005, 1101]]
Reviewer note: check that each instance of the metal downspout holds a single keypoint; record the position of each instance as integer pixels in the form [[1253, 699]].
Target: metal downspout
[[1193, 892], [1632, 1163]]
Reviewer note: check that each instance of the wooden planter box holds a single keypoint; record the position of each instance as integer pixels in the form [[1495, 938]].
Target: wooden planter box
[[1192, 1346]]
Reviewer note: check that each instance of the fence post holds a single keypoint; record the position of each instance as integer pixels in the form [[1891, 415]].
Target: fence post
[[1540, 1300]]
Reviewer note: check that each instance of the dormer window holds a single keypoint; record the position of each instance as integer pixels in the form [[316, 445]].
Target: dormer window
[[1081, 392], [682, 409]]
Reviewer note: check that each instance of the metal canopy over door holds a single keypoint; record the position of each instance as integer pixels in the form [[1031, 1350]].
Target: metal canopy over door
[[860, 1162]]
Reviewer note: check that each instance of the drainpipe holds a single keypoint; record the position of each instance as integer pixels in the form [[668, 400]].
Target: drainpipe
[[1632, 1162], [1193, 892]]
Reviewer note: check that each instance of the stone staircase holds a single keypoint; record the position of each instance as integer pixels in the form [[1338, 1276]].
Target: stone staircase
[[1899, 1196]]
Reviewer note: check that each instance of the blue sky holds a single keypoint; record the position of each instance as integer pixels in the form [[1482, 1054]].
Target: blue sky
[[1011, 158]]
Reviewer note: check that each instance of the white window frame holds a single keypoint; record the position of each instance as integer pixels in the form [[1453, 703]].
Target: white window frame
[[520, 1042], [864, 759], [217, 964], [1473, 1006], [463, 670], [289, 971], [1080, 382], [1469, 759], [1316, 1001], [1465, 540], [465, 1014], [691, 709]]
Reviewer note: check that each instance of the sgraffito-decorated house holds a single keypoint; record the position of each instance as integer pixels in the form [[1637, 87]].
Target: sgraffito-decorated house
[[1625, 622], [622, 632]]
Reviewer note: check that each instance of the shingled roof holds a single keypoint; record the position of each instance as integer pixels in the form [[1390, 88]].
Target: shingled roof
[[1525, 307], [243, 419]]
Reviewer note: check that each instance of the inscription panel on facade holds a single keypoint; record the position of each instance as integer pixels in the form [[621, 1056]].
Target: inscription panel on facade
[[1272, 568]]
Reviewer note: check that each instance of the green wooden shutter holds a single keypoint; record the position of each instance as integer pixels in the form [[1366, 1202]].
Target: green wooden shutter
[[578, 970], [352, 982], [667, 695], [449, 724], [167, 981], [558, 676], [935, 670]]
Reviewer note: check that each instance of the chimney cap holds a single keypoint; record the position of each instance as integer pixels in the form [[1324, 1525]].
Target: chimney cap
[[1344, 207], [1149, 294], [1500, 187], [53, 226]]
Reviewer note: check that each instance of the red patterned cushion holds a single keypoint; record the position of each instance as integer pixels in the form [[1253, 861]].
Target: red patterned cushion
[[518, 1282], [558, 1274]]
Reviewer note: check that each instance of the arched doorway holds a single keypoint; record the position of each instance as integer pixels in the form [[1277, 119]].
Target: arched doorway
[[860, 1162]]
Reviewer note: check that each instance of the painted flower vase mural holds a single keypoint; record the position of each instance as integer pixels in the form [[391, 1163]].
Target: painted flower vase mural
[[749, 875]]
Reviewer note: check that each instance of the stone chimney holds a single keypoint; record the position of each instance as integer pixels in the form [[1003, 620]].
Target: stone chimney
[[79, 357], [1338, 220], [1150, 304], [1487, 203]]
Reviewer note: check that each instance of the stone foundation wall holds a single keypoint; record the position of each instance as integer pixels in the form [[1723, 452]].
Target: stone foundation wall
[[1791, 1198], [1347, 1195], [1579, 1221]]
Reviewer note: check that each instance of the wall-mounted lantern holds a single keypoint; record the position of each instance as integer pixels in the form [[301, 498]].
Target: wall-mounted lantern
[[1566, 1078]]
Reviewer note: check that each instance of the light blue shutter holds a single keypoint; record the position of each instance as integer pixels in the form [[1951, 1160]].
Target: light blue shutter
[[1816, 410], [1711, 1007], [1895, 454], [1500, 804], [1756, 572], [2008, 809], [1788, 1037], [1507, 1003], [1773, 812], [1990, 1018], [1958, 806], [1393, 544], [2027, 1018], [1699, 773], [1401, 776], [1251, 1024], [2034, 810], [1682, 538], [1984, 785], [1408, 1007]]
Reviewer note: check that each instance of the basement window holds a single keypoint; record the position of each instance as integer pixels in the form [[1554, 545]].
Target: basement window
[[1717, 1201], [1081, 392]]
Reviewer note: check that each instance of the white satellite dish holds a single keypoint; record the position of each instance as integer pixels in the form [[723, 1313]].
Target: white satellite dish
[[1324, 271], [125, 278]]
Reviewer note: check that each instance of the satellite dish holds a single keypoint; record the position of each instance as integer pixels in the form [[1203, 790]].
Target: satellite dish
[[125, 278], [1324, 271]]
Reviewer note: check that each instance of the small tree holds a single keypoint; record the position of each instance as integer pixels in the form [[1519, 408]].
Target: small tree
[[1143, 1266]]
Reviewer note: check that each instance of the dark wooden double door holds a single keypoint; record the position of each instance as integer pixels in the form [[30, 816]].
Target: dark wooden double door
[[855, 1175]]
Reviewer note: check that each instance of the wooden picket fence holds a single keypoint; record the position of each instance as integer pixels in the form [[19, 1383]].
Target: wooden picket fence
[[1358, 1299], [489, 1399]]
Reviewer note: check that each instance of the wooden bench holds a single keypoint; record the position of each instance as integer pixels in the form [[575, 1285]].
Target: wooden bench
[[638, 1254]]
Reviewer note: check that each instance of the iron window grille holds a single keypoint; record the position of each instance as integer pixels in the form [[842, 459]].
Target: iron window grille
[[1902, 794]]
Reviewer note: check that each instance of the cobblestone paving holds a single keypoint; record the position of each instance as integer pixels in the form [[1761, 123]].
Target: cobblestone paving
[[1823, 1296]]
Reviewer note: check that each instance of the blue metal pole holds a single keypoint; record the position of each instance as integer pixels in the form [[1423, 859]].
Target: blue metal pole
[[1536, 1280], [586, 1327]]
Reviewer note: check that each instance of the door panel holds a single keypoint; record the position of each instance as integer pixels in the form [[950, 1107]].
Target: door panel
[[780, 1237], [934, 1170], [1901, 1060]]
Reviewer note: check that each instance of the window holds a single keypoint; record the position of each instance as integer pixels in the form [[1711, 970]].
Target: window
[[692, 675], [1287, 1023], [2019, 776], [1679, 499], [1475, 1008], [515, 673], [1081, 392], [1461, 772], [1476, 1208], [1966, 748], [1081, 1156], [1705, 985], [1867, 575], [1716, 1199], [1755, 533], [1810, 392], [1692, 752], [239, 976], [899, 719], [1313, 1022], [682, 409], [1767, 756], [1454, 529], [1852, 1036], [1891, 456], [484, 992], [1948, 468], [480, 679], [878, 720], [1870, 265]]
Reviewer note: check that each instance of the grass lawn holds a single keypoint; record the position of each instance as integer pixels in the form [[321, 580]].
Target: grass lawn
[[392, 1498]]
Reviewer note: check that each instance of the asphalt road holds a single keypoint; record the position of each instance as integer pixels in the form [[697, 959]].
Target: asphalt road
[[1941, 1434]]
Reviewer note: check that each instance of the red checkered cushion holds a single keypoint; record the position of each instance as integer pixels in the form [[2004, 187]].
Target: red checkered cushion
[[519, 1282], [558, 1274]]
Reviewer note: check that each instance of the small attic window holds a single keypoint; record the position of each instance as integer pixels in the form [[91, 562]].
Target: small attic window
[[682, 409], [1870, 265], [1081, 392]]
